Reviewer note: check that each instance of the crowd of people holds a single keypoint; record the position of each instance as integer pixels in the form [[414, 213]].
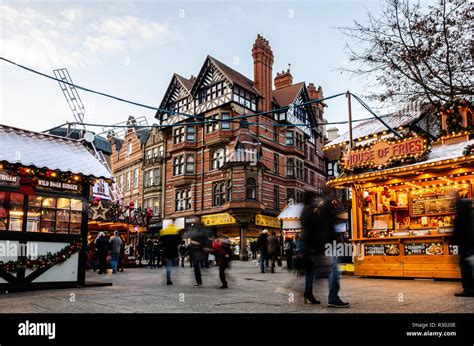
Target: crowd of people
[[305, 254]]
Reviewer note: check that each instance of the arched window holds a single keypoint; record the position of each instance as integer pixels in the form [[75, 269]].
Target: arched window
[[251, 189]]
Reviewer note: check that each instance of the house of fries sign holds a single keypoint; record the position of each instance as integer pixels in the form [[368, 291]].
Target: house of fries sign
[[382, 152]]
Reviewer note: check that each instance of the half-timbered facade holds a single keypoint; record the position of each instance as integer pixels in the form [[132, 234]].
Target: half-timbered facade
[[232, 170]]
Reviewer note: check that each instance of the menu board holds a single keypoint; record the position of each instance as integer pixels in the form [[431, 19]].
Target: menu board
[[433, 201], [381, 249], [423, 249]]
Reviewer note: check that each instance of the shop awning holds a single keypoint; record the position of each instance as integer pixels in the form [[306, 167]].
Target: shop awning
[[291, 212], [46, 151], [441, 156]]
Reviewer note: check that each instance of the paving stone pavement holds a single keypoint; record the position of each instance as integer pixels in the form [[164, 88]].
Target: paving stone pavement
[[141, 290]]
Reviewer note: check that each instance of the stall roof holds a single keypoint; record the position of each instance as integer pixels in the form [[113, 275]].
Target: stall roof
[[47, 151], [373, 126], [291, 212]]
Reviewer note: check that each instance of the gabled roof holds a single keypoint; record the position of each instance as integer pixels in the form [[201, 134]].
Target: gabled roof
[[287, 95], [374, 126], [231, 74], [187, 83], [46, 151]]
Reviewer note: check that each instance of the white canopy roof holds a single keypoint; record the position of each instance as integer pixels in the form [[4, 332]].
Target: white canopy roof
[[291, 212]]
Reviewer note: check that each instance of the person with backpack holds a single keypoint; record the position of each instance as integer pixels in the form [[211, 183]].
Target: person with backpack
[[223, 252], [183, 251]]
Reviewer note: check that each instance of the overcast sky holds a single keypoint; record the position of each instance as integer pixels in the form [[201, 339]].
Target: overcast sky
[[131, 49]]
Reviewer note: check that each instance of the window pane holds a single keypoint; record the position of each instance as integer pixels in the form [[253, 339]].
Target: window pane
[[64, 203], [76, 204], [35, 201], [16, 217], [49, 202], [33, 219], [62, 221]]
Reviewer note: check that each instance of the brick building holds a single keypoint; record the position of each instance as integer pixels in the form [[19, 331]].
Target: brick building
[[237, 174], [127, 162]]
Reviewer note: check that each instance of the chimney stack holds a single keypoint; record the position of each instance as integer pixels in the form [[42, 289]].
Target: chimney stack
[[262, 72], [283, 79]]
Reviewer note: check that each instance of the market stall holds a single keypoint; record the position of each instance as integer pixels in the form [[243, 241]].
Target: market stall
[[402, 220], [290, 219], [45, 183]]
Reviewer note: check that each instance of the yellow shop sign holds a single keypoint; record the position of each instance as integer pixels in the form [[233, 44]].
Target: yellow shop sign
[[267, 221], [218, 219]]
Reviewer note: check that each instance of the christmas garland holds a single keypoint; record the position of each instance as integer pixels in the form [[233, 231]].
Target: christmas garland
[[452, 109], [43, 261]]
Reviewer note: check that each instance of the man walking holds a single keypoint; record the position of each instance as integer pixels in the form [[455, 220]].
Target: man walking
[[115, 244], [102, 250], [199, 248], [262, 248], [222, 251]]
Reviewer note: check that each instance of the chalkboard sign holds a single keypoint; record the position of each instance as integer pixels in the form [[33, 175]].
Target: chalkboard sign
[[433, 201]]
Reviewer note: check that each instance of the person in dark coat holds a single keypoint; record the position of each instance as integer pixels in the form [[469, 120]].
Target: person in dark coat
[[170, 240], [199, 247], [254, 249], [318, 223], [288, 248], [273, 249], [463, 236], [102, 250], [122, 255], [262, 248]]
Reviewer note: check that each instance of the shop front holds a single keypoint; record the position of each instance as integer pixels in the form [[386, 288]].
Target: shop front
[[402, 218], [45, 183], [228, 225]]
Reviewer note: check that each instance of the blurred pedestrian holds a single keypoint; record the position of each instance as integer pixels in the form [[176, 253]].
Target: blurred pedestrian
[[273, 249], [318, 222], [115, 248], [463, 236], [170, 240], [199, 248], [140, 248], [122, 255], [149, 253], [223, 252], [102, 250], [156, 254], [253, 250], [288, 247], [183, 251], [262, 248]]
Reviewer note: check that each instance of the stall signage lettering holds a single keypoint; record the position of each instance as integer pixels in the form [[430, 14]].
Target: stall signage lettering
[[267, 221], [57, 185], [218, 219], [380, 152], [8, 179], [382, 250]]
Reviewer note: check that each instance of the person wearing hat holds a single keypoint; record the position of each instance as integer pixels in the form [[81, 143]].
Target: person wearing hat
[[170, 240]]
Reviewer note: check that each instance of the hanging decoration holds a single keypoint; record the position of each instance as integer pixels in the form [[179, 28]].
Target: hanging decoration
[[453, 110], [47, 260]]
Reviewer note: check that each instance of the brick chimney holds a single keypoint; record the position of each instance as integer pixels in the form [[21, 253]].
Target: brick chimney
[[283, 79], [262, 71], [313, 93]]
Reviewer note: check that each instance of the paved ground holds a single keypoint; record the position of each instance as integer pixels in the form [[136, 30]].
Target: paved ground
[[144, 290]]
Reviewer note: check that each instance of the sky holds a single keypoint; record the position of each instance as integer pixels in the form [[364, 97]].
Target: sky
[[131, 49]]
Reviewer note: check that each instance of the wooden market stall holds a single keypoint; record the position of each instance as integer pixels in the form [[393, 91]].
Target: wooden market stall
[[402, 219], [45, 184]]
